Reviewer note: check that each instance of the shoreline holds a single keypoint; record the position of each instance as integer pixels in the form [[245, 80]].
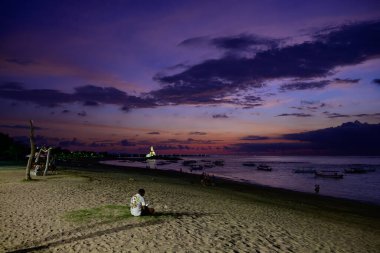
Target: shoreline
[[312, 199], [227, 217], [232, 183]]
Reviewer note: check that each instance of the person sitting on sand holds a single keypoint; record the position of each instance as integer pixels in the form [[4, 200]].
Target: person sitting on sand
[[138, 205], [316, 188]]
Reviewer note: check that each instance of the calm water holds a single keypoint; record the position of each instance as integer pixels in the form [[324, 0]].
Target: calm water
[[363, 187]]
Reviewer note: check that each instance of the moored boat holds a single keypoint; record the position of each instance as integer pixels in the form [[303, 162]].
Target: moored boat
[[356, 170], [251, 164], [304, 170], [264, 167], [329, 174], [196, 167]]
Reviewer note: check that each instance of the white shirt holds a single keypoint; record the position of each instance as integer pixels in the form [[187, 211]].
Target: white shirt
[[137, 201]]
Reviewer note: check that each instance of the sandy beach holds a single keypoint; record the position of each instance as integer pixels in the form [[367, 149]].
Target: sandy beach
[[87, 211]]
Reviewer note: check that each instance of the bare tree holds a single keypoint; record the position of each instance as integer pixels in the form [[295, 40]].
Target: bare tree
[[32, 151]]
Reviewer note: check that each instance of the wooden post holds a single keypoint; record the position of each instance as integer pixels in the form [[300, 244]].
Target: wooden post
[[47, 161], [32, 151]]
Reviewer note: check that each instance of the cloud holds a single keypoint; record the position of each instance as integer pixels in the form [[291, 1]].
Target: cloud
[[295, 115], [89, 95], [304, 85], [346, 80], [254, 138], [348, 138], [351, 138], [197, 133], [90, 103], [21, 127], [333, 115], [65, 111], [82, 114], [127, 143], [20, 61], [153, 133], [376, 81], [70, 143], [220, 116], [195, 41], [243, 42], [344, 46]]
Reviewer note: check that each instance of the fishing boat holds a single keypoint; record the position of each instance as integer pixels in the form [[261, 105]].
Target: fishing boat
[[304, 170], [355, 170], [329, 174], [219, 163], [250, 164], [196, 167], [189, 162], [264, 167]]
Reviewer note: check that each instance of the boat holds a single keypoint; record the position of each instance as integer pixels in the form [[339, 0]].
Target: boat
[[264, 167], [304, 170], [251, 164], [219, 163], [329, 174], [196, 167], [189, 162], [355, 170]]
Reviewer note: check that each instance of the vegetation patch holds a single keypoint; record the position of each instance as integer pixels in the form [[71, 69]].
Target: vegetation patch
[[104, 213]]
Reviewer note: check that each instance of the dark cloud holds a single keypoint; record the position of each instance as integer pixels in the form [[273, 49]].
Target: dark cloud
[[197, 133], [332, 115], [196, 41], [70, 143], [82, 114], [19, 61], [351, 138], [295, 115], [254, 138], [346, 80], [377, 81], [348, 138], [243, 42], [153, 133], [220, 116], [21, 127], [89, 95], [346, 45], [90, 103], [304, 85], [65, 111], [309, 106], [127, 143]]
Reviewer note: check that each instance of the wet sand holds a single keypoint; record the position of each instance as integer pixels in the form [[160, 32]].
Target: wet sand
[[227, 217]]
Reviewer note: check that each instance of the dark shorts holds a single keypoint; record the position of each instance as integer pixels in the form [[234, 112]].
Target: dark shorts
[[145, 211]]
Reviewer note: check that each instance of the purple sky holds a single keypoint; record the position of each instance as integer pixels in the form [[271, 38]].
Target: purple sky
[[186, 76]]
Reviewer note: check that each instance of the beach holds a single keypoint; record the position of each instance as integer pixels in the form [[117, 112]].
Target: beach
[[86, 210]]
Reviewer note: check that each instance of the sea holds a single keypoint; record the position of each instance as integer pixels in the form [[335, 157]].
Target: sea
[[364, 187]]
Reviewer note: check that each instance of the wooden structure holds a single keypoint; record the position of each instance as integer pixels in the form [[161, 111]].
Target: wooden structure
[[43, 162]]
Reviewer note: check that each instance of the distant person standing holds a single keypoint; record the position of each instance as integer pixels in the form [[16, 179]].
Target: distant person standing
[[138, 205], [316, 188]]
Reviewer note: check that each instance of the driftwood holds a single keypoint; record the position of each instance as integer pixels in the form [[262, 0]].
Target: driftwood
[[32, 151]]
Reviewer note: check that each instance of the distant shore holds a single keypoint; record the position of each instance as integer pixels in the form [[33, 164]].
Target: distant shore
[[190, 217]]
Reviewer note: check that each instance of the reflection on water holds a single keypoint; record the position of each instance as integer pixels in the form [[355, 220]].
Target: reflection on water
[[364, 187]]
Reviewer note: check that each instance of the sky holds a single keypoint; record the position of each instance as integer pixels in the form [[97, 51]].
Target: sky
[[191, 77]]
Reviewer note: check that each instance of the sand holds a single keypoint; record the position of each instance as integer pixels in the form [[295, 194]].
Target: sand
[[190, 217]]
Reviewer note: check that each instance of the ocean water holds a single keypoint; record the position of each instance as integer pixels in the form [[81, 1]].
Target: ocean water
[[363, 187]]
